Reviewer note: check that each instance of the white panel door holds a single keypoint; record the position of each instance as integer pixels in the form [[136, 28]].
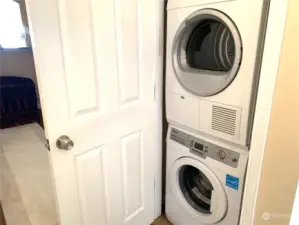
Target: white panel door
[[97, 63]]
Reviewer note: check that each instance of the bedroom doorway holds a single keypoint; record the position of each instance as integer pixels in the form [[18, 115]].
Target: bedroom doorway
[[27, 195]]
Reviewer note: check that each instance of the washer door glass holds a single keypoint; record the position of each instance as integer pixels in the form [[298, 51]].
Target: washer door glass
[[207, 52], [196, 188]]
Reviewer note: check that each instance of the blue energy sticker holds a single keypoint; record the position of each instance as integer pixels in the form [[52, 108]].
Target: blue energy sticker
[[232, 182]]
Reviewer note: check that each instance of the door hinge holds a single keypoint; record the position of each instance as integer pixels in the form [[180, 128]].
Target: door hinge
[[47, 145]]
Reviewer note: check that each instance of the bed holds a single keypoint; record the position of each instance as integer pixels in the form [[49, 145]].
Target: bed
[[18, 102]]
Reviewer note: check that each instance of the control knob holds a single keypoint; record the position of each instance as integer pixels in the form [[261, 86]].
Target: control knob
[[222, 154]]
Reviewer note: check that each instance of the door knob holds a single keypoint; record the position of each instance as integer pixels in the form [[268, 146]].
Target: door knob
[[64, 143]]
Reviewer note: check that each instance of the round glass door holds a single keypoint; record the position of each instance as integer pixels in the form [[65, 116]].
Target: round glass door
[[199, 190], [207, 52], [196, 188]]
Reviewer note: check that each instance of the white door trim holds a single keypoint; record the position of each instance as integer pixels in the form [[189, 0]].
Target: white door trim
[[269, 70], [295, 210]]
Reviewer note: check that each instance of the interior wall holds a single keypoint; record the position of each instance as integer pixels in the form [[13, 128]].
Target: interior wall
[[280, 170], [17, 63]]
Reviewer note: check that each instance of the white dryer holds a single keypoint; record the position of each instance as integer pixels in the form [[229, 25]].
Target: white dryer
[[213, 56], [204, 181]]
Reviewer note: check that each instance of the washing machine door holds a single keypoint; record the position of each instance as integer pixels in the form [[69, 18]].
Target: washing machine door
[[207, 52], [199, 190]]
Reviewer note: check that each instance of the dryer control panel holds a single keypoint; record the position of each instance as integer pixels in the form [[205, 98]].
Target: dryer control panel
[[205, 149]]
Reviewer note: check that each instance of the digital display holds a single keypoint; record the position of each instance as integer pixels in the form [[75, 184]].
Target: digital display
[[198, 146]]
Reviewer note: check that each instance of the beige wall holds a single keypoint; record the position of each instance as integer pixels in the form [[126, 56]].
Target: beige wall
[[280, 170], [17, 63]]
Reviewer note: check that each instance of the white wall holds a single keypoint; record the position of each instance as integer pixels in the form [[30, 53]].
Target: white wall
[[295, 210], [17, 63]]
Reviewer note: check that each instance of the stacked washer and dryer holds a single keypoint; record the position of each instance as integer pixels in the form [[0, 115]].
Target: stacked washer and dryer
[[213, 56]]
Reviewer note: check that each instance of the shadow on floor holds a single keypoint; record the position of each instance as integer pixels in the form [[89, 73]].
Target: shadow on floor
[[2, 220], [161, 221]]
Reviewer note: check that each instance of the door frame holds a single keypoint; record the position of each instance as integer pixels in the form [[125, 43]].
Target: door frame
[[269, 71]]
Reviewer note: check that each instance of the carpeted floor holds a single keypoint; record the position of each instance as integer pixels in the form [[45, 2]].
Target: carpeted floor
[[161, 221]]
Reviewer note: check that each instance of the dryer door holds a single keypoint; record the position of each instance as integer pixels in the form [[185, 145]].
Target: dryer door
[[207, 52], [199, 190]]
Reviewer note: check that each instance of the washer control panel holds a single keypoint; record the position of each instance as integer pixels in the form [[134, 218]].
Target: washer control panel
[[205, 149]]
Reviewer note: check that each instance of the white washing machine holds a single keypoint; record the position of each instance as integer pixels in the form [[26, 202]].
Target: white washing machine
[[213, 56], [204, 181]]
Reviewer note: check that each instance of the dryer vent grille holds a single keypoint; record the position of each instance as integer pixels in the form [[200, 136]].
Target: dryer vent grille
[[224, 120]]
